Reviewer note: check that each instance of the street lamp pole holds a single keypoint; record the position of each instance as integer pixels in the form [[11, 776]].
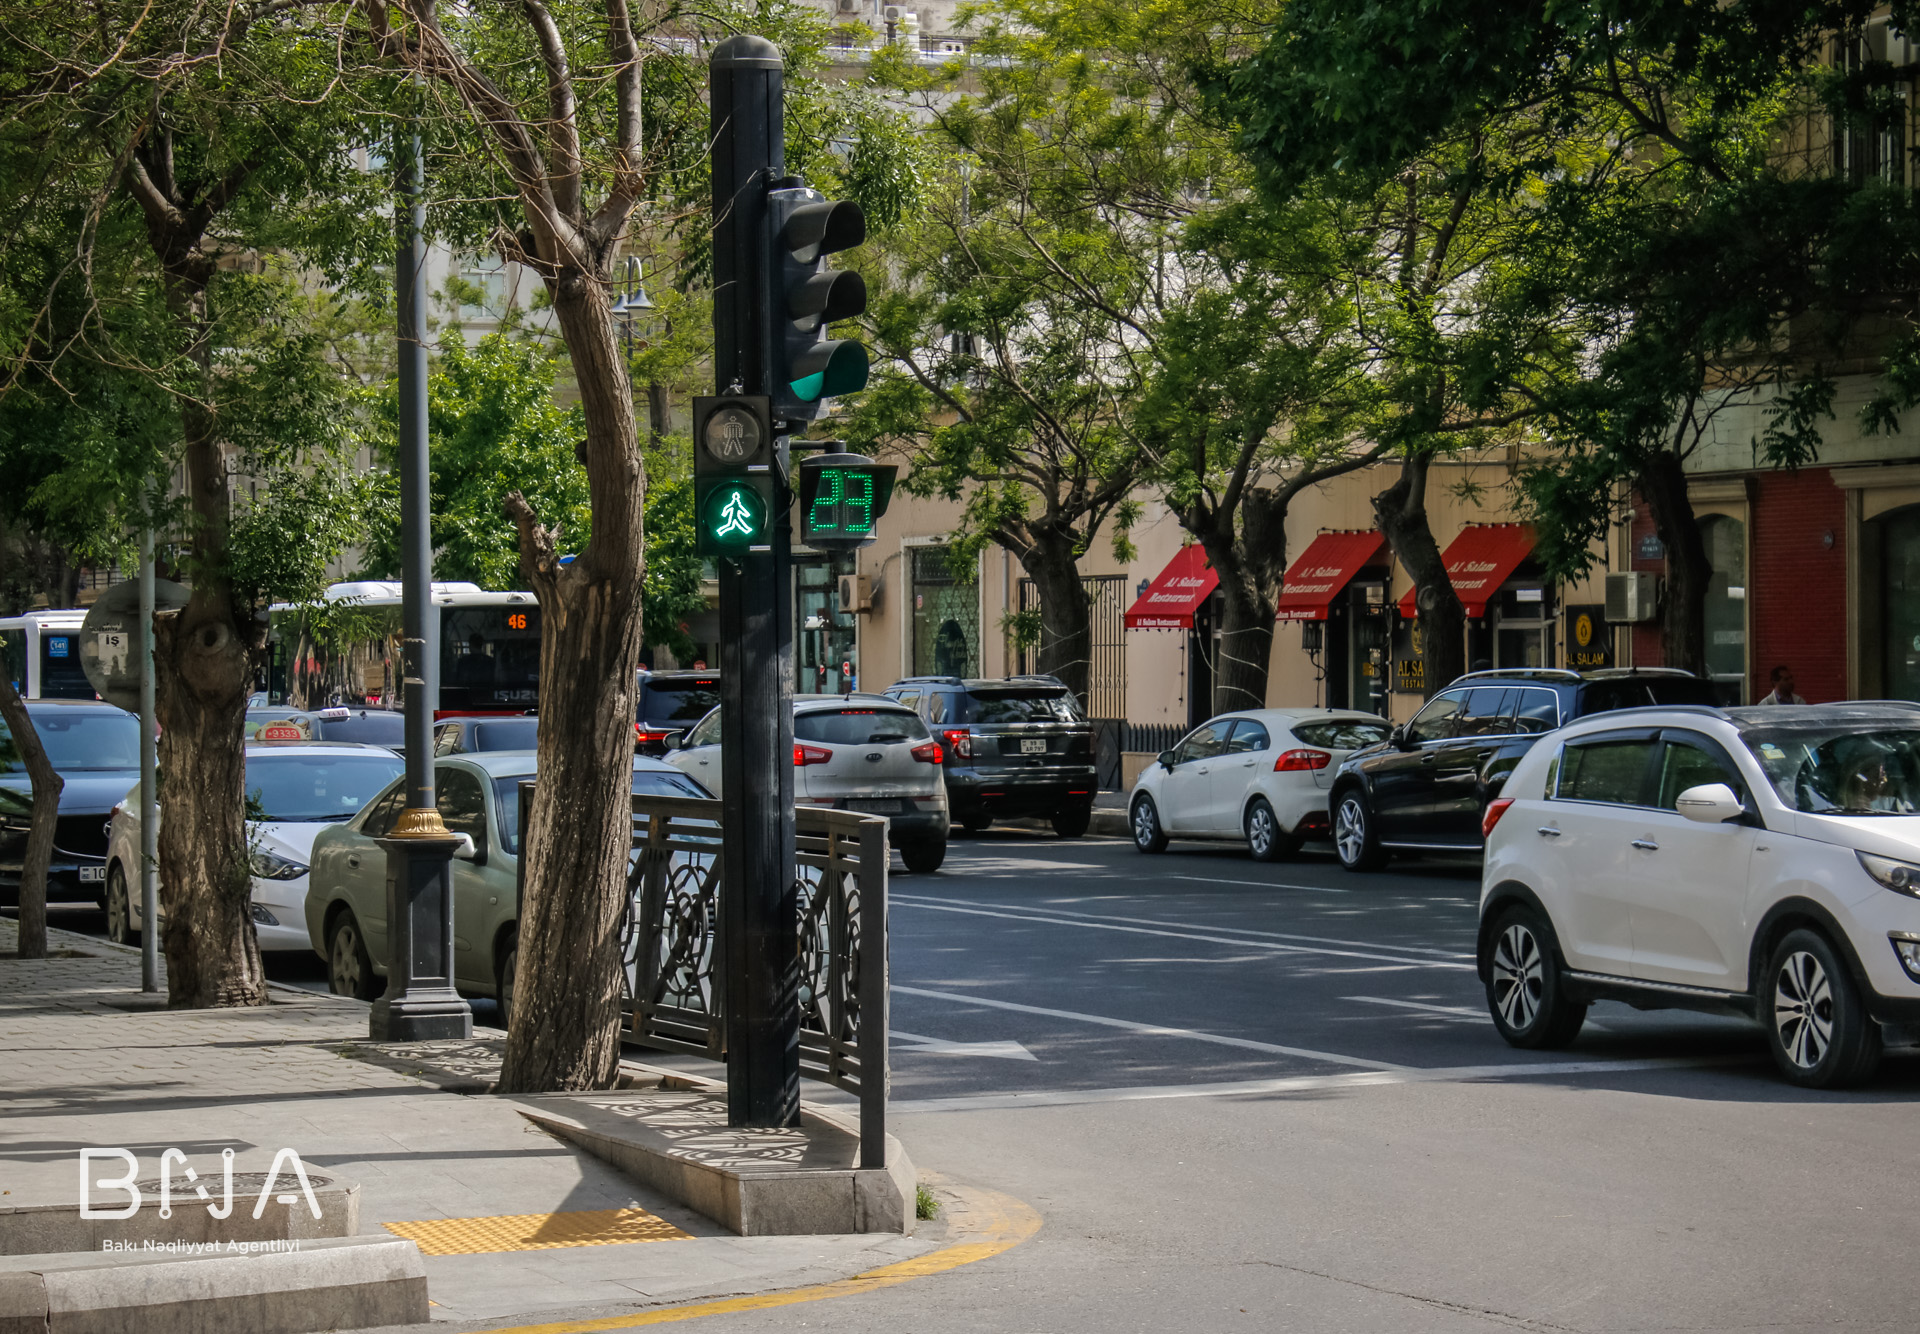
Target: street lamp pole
[[420, 1002]]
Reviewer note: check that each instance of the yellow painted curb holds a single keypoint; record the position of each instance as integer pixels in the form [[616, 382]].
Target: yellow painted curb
[[992, 1222]]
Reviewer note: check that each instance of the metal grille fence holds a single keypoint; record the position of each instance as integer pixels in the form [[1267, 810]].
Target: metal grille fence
[[671, 944], [1106, 700]]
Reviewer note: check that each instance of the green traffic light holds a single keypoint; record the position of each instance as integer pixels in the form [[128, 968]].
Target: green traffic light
[[829, 369], [734, 515]]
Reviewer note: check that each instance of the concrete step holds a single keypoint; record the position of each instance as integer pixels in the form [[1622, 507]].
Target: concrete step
[[263, 1287]]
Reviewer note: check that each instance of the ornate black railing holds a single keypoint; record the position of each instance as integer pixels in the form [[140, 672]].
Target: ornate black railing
[[676, 988]]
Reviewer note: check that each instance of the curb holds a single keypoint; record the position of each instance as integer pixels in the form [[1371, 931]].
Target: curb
[[986, 1222]]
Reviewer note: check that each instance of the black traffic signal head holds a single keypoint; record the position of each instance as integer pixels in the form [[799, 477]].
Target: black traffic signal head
[[807, 296], [736, 477]]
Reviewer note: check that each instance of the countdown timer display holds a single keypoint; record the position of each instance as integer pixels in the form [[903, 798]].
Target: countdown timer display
[[842, 497]]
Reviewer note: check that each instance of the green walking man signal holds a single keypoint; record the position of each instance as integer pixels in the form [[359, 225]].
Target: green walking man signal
[[739, 477]]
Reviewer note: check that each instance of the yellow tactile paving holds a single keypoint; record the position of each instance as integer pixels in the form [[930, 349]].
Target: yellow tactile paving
[[535, 1232]]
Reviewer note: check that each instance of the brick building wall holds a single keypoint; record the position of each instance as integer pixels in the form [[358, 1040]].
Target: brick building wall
[[1797, 584]]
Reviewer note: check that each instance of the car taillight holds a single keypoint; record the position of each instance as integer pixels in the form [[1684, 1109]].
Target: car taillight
[[1293, 761], [1495, 809], [960, 743], [811, 755], [927, 752], [647, 736]]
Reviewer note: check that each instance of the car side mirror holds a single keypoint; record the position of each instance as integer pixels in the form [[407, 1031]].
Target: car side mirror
[[1710, 803], [1397, 738], [1166, 759], [466, 850]]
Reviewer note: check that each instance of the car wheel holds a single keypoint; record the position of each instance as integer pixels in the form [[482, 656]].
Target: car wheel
[[1526, 991], [1818, 1028], [1148, 836], [504, 969], [349, 966], [1072, 821], [924, 855], [1353, 837], [975, 822], [119, 908], [1265, 839]]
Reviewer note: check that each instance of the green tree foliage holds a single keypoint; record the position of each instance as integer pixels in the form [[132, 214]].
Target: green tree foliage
[[1692, 242]]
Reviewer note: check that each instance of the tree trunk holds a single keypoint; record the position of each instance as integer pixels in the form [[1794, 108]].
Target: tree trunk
[[202, 676], [1249, 553], [1066, 612], [1684, 628], [46, 810], [564, 1032], [1401, 511]]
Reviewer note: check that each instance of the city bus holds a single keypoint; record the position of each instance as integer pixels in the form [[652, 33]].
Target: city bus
[[347, 651], [43, 654]]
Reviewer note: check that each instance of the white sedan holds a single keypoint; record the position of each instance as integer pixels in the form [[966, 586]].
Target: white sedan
[[293, 792], [1258, 777]]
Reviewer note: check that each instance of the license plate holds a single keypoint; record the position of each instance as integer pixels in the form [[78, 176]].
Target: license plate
[[1034, 746], [91, 874], [874, 806]]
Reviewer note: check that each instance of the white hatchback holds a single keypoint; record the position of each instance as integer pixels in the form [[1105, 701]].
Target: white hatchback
[[1260, 777], [852, 753], [1763, 862]]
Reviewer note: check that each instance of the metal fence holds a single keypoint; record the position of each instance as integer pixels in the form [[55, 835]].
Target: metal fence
[[1153, 737], [676, 987], [1106, 700]]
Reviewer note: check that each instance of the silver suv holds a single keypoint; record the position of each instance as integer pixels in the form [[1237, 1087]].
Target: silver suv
[[852, 753]]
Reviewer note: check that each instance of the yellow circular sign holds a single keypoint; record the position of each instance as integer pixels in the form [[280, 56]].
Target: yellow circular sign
[[1583, 629]]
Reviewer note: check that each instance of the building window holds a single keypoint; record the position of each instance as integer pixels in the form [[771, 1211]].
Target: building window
[[1898, 535], [946, 617], [1726, 611]]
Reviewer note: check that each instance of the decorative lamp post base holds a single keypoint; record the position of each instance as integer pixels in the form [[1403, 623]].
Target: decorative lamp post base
[[420, 1004]]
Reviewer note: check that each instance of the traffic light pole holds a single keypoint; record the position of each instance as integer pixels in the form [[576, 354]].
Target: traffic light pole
[[759, 910]]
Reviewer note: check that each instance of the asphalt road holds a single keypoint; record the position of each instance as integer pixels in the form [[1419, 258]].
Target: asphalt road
[[1269, 1098]]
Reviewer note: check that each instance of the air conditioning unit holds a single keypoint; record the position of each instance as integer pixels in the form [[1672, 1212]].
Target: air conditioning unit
[[856, 593], [849, 6], [1632, 598], [892, 13]]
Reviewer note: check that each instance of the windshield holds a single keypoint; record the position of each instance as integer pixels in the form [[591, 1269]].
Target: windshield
[[506, 734], [646, 783], [1341, 734], [489, 656], [299, 788], [858, 727], [678, 701], [1829, 771], [1019, 706], [78, 739]]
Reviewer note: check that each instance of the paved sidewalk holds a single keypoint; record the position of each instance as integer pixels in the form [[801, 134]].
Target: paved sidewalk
[[83, 1070]]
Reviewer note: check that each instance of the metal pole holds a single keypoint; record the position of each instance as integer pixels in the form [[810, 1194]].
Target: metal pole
[[420, 1002], [759, 908], [149, 796]]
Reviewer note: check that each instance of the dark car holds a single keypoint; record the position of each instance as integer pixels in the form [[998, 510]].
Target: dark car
[[1015, 746], [1426, 787], [466, 736], [95, 748], [670, 704]]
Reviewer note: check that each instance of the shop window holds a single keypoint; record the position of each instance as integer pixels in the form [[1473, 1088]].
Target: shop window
[[1726, 611], [1899, 571]]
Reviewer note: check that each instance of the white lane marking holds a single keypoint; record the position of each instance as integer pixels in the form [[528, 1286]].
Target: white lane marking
[[1238, 942], [1151, 1030], [1257, 884], [1253, 1088], [1009, 864], [1444, 1011], [1159, 921], [1007, 1050]]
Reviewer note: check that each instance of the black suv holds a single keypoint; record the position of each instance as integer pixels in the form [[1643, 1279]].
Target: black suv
[[1015, 746], [1426, 787], [670, 704]]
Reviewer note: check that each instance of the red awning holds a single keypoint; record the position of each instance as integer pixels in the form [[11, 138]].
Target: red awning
[[1171, 600], [1479, 561], [1323, 571]]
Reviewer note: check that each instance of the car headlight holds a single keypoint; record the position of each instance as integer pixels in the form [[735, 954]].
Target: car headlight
[[1900, 877], [272, 866]]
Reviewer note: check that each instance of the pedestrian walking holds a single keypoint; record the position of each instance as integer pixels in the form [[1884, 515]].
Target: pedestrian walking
[[1782, 693]]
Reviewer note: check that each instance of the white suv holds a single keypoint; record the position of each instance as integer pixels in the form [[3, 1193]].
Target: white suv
[[1758, 861]]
